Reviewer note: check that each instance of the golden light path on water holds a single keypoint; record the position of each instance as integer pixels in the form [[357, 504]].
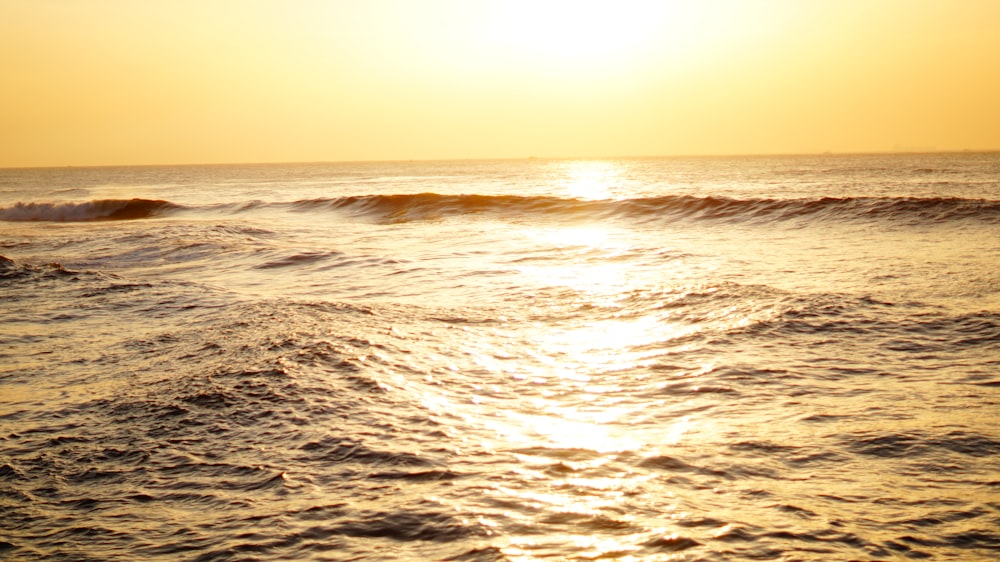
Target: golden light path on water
[[592, 179], [586, 406]]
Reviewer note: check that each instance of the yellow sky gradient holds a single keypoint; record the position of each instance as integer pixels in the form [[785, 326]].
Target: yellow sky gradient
[[199, 81]]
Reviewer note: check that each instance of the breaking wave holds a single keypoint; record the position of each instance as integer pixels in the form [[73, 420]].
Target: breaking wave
[[431, 206], [423, 206], [98, 210]]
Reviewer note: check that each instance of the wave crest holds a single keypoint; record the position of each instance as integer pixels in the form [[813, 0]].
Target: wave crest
[[97, 210], [423, 206], [431, 206]]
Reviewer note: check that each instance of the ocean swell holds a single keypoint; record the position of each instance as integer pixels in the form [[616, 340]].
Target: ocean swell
[[97, 210], [397, 208], [430, 206]]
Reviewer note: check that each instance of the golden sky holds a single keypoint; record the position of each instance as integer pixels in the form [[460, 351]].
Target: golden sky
[[90, 82]]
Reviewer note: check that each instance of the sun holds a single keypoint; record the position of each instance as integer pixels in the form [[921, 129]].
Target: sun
[[562, 34], [582, 31]]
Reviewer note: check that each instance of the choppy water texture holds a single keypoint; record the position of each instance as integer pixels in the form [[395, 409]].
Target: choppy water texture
[[783, 358]]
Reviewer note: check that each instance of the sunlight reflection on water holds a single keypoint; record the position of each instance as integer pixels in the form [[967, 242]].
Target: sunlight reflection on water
[[592, 179]]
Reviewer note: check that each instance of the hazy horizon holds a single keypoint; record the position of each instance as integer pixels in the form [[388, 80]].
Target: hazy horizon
[[111, 82], [510, 158]]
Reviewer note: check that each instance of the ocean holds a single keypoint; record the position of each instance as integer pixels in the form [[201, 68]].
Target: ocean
[[712, 358]]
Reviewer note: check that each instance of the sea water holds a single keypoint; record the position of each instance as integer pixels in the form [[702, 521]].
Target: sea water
[[742, 358]]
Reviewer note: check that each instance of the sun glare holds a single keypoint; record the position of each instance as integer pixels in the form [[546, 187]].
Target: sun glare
[[592, 179], [571, 29], [565, 37]]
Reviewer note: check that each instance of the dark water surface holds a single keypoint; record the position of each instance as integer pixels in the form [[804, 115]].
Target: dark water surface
[[759, 358]]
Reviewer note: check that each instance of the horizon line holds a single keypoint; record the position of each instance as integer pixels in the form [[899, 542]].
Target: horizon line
[[515, 158]]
